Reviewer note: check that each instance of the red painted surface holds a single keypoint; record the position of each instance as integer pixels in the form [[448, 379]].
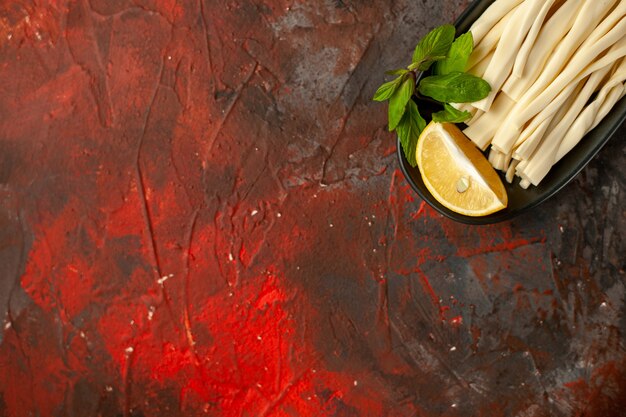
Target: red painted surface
[[201, 214]]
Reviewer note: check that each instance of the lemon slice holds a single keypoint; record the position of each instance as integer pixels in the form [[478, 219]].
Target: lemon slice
[[456, 173]]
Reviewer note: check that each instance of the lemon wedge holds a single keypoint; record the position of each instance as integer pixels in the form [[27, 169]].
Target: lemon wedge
[[456, 173]]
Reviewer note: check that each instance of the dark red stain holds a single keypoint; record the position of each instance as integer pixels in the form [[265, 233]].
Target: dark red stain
[[201, 214], [506, 246]]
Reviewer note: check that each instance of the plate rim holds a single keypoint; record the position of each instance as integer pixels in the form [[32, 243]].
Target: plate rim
[[464, 21]]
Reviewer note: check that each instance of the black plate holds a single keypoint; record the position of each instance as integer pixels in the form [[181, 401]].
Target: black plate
[[520, 200]]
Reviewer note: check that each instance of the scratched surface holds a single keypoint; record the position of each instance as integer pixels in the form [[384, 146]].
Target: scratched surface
[[201, 213]]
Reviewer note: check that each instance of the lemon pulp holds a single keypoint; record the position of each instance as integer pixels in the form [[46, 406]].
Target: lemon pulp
[[456, 173]]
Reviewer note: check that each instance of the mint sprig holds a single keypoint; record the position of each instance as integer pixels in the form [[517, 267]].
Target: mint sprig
[[451, 115], [449, 84], [386, 90], [398, 101], [457, 57], [433, 47], [409, 130], [456, 87]]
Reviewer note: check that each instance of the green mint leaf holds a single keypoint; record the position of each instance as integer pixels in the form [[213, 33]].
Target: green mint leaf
[[400, 71], [398, 101], [409, 130], [458, 55], [456, 87], [417, 117], [386, 90], [433, 47], [451, 115]]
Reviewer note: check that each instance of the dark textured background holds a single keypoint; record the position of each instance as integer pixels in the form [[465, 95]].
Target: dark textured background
[[201, 213]]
